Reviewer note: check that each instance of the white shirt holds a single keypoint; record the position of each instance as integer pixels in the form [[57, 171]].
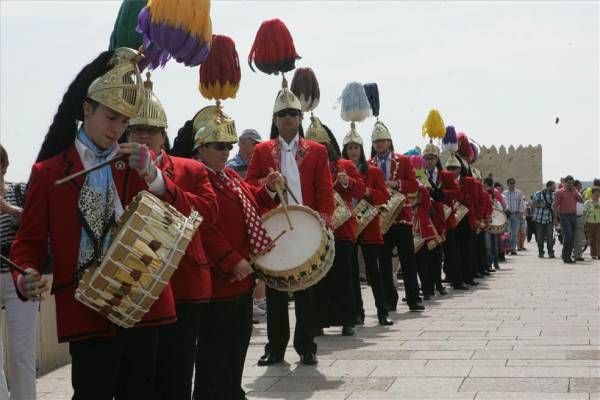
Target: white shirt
[[433, 174], [289, 168], [88, 159]]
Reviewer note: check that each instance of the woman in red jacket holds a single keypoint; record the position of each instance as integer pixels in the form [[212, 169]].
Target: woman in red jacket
[[335, 292], [230, 244], [370, 239]]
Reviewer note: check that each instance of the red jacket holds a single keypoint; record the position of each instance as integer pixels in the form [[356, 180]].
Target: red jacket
[[438, 218], [470, 198], [227, 242], [188, 188], [313, 164], [51, 213], [402, 171], [378, 195], [452, 193], [422, 223], [356, 189]]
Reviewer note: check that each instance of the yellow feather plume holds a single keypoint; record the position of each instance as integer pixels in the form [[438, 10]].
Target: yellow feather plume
[[434, 126]]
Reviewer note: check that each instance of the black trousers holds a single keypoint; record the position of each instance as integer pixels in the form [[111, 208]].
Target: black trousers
[[222, 348], [359, 308], [371, 258], [429, 266], [278, 323], [177, 352], [452, 261], [399, 236], [482, 260], [335, 292], [465, 239], [120, 367]]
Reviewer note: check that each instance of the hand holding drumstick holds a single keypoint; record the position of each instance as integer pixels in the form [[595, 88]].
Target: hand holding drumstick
[[275, 182], [30, 283]]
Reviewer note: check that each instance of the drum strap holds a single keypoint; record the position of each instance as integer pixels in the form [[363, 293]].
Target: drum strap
[[257, 234]]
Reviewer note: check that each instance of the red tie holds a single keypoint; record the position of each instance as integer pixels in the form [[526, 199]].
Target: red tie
[[259, 238]]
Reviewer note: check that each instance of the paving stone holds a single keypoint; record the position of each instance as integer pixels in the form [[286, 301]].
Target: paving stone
[[328, 395], [428, 371], [425, 386], [556, 385], [416, 396], [529, 396], [535, 372], [303, 384], [584, 384], [441, 355]]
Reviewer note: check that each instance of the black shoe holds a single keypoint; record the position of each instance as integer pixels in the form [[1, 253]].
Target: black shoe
[[496, 266], [360, 320], [513, 253], [269, 359], [416, 307], [485, 273], [490, 270], [384, 320], [309, 359], [579, 259], [460, 287], [569, 261], [255, 321], [540, 255], [442, 290], [427, 296], [551, 255], [472, 282], [478, 275], [348, 331]]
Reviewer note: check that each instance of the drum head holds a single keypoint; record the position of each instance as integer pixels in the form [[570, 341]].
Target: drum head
[[498, 217], [296, 246]]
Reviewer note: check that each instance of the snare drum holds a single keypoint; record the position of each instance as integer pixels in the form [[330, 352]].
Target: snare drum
[[342, 212], [149, 241], [389, 211], [460, 211], [364, 213], [499, 222], [302, 256]]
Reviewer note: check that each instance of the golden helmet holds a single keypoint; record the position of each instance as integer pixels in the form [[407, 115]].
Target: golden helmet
[[352, 136], [380, 132], [120, 88], [431, 150], [452, 161], [316, 132], [286, 99], [212, 125], [152, 112]]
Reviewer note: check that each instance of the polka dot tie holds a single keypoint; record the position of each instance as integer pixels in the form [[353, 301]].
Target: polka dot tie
[[259, 238]]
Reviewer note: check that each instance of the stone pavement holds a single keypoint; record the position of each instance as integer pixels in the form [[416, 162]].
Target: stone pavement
[[531, 331]]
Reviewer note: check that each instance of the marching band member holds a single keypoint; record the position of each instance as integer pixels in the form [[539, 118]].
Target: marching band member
[[424, 230], [190, 190], [399, 175], [335, 291], [371, 239], [305, 166], [107, 361], [237, 236]]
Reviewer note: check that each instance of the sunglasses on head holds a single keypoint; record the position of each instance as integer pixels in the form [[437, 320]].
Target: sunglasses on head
[[219, 146], [288, 112]]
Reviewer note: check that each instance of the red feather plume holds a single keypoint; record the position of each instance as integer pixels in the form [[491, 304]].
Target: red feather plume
[[220, 74], [273, 49]]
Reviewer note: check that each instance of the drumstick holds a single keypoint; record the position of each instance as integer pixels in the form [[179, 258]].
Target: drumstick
[[266, 249], [284, 205], [291, 193], [85, 171], [12, 265]]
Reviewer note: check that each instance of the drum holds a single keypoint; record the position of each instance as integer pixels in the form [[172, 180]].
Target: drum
[[499, 222], [148, 243], [460, 211], [302, 256], [447, 211], [364, 213], [418, 241], [389, 211], [342, 212]]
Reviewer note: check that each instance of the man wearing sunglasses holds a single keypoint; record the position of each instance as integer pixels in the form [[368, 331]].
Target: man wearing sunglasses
[[305, 167]]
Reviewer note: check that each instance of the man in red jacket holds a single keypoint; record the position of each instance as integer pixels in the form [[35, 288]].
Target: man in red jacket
[[189, 189], [76, 219], [305, 167], [399, 175]]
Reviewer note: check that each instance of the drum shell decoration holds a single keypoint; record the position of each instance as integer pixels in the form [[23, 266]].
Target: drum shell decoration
[[342, 212], [316, 263], [364, 213], [499, 222], [149, 241], [389, 211], [460, 211]]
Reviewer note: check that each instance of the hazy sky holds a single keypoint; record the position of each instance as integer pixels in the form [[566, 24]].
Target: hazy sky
[[500, 71]]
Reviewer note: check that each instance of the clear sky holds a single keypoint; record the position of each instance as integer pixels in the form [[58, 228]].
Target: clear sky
[[500, 71]]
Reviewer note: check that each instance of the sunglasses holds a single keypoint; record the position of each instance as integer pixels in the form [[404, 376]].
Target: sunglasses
[[220, 146], [288, 112]]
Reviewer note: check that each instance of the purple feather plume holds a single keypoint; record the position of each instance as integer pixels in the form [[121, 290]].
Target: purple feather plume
[[450, 141]]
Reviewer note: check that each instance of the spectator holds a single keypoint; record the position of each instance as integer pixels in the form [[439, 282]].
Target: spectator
[[498, 190], [542, 217], [579, 240], [587, 193], [492, 240], [20, 316], [591, 215], [515, 207], [523, 227], [248, 139], [565, 211], [529, 217]]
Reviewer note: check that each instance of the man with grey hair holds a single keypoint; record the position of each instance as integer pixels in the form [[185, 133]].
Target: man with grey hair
[[247, 140]]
